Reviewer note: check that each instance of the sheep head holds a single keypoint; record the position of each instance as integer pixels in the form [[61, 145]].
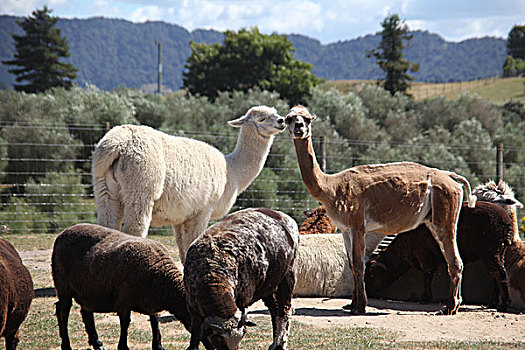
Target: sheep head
[[377, 277], [265, 119], [227, 333], [298, 121]]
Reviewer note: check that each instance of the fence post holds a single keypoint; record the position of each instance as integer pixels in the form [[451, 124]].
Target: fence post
[[499, 162], [108, 126]]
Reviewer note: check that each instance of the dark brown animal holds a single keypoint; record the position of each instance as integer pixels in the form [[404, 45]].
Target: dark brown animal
[[105, 270], [484, 233], [244, 258], [16, 294], [317, 222]]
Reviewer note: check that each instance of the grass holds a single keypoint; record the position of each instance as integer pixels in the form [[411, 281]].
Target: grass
[[496, 90], [40, 330]]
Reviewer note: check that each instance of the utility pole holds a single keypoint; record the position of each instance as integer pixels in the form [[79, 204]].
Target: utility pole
[[159, 70]]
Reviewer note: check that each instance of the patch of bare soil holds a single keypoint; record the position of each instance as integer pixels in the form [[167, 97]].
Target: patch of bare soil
[[411, 321]]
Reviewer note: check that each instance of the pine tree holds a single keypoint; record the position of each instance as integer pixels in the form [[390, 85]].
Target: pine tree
[[38, 54], [516, 42], [389, 55]]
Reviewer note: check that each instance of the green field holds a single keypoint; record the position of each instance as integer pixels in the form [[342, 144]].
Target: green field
[[496, 90]]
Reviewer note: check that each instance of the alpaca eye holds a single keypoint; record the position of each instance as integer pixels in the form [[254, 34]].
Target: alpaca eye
[[288, 119]]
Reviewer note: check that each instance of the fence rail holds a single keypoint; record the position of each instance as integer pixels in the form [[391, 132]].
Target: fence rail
[[29, 206]]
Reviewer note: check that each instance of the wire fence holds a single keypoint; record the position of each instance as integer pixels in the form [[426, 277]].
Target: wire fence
[[44, 203]]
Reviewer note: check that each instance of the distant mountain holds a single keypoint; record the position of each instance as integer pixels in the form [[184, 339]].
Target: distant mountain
[[113, 52]]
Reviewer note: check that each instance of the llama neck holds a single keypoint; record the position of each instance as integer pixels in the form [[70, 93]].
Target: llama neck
[[248, 158], [313, 177], [514, 217]]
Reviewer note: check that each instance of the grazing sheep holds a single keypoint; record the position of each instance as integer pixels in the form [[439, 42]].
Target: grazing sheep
[[316, 222], [483, 234], [246, 257], [16, 294], [144, 177], [105, 270]]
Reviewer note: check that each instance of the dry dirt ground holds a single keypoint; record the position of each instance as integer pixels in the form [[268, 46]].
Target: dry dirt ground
[[411, 321]]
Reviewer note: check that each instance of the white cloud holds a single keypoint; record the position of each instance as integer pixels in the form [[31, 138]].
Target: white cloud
[[147, 13], [20, 8]]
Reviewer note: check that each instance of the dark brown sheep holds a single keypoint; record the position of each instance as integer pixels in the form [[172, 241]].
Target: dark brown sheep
[[16, 294], [105, 270], [244, 258], [484, 232], [317, 222]]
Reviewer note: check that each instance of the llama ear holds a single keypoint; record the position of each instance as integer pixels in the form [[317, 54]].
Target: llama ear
[[237, 123]]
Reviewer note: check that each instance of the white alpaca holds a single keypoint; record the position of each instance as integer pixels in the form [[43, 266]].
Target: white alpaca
[[144, 177]]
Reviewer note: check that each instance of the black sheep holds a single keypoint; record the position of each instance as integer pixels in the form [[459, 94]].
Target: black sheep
[[16, 293], [105, 270]]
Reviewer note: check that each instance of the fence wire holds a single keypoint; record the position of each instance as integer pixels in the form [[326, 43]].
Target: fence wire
[[43, 204]]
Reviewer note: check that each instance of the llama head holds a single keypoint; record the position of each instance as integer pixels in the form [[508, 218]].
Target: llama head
[[298, 121], [265, 120], [500, 194]]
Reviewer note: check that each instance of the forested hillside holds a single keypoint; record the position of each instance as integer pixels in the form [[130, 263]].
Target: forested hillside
[[113, 52]]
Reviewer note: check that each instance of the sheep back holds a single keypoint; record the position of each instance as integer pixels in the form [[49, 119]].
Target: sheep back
[[105, 270], [16, 292], [321, 267], [239, 260]]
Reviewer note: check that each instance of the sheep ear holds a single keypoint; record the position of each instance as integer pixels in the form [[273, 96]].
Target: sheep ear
[[215, 327], [237, 123]]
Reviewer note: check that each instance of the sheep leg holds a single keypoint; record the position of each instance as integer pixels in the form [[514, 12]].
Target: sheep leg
[[89, 323], [280, 306], [63, 306], [125, 320], [156, 344], [11, 340], [196, 332], [498, 272], [427, 292]]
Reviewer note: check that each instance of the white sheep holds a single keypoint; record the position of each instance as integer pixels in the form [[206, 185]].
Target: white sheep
[[321, 266], [144, 177]]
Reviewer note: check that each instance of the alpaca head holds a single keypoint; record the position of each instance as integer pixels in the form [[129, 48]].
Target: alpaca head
[[265, 120], [298, 121], [500, 194]]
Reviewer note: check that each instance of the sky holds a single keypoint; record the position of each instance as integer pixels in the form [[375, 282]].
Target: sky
[[327, 21]]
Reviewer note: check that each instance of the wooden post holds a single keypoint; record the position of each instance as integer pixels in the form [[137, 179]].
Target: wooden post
[[499, 162]]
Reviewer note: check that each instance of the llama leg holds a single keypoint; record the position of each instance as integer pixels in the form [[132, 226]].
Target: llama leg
[[63, 306], [446, 240], [186, 232], [89, 323], [137, 213], [446, 205], [358, 255], [156, 342], [125, 320], [109, 208], [347, 238]]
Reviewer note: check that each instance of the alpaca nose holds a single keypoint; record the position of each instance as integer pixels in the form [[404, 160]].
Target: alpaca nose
[[280, 121]]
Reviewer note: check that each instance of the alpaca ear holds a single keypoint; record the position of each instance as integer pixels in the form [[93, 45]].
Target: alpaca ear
[[313, 116], [237, 123]]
